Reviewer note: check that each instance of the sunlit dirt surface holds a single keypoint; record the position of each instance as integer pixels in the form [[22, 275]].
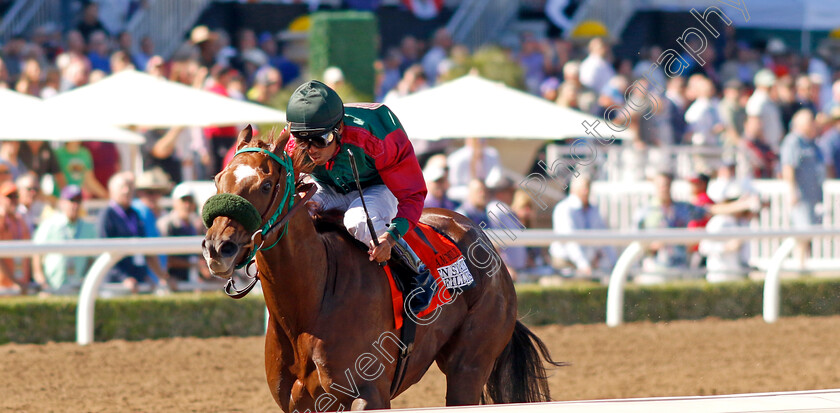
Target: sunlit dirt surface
[[636, 360]]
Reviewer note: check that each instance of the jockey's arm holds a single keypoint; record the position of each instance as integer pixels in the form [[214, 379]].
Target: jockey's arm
[[401, 173]]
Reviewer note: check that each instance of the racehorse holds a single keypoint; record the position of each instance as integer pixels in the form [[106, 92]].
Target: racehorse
[[331, 338]]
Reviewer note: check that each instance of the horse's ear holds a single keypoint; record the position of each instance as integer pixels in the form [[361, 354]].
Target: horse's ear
[[278, 144], [244, 137]]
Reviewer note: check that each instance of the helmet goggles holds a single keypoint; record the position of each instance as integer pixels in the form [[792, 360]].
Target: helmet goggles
[[318, 139]]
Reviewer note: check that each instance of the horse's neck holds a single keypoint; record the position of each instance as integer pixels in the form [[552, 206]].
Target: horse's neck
[[295, 275]]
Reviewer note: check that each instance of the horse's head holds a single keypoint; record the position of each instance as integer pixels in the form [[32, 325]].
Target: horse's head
[[252, 191]]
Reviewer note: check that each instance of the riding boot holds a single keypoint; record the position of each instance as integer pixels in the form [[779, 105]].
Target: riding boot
[[422, 278]]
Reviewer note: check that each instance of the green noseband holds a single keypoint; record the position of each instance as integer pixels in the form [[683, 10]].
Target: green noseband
[[243, 211], [234, 207]]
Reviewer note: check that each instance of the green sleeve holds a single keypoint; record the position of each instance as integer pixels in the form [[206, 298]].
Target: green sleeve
[[398, 227]]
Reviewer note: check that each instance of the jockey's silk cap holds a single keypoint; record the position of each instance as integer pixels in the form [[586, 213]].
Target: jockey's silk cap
[[314, 107]]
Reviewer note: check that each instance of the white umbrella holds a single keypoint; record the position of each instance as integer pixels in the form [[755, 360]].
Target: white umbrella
[[471, 106], [24, 117], [131, 98]]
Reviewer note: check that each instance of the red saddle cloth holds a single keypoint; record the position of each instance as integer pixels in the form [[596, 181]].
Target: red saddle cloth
[[445, 262]]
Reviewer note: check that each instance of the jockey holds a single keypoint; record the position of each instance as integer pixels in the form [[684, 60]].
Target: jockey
[[390, 176]]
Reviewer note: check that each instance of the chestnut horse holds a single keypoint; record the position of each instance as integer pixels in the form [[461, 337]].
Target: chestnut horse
[[331, 342]]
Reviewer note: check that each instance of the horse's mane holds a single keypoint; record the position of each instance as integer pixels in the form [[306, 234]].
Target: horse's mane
[[330, 224], [330, 220]]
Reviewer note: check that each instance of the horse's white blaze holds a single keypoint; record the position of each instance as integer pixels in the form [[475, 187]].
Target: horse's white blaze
[[243, 172]]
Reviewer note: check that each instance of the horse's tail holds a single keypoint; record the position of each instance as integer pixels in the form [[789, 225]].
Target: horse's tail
[[519, 375]]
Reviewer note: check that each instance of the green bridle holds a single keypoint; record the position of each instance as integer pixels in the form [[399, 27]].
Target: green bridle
[[244, 212]]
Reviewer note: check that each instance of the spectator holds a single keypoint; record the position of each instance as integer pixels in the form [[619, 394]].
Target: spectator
[[77, 166], [334, 77], [410, 51], [501, 216], [150, 186], [437, 182], [142, 57], [803, 169], [12, 53], [576, 213], [267, 83], [727, 260], [12, 227], [663, 212], [743, 68], [390, 75], [182, 221], [830, 144], [533, 62], [221, 139], [762, 106], [39, 158], [169, 150], [4, 75], [30, 78], [207, 43], [106, 160], [5, 173], [732, 115], [474, 161], [30, 207], [441, 44], [120, 220], [703, 122], [99, 52], [57, 273], [475, 204], [289, 71], [572, 93], [90, 22], [9, 157], [677, 104], [760, 159], [595, 70]]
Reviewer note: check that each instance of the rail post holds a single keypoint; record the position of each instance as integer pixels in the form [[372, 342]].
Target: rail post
[[87, 297], [615, 291], [772, 285]]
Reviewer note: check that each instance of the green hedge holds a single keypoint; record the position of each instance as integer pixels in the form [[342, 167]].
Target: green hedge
[[579, 304], [35, 320]]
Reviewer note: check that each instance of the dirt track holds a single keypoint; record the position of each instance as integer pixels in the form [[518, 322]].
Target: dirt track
[[636, 360]]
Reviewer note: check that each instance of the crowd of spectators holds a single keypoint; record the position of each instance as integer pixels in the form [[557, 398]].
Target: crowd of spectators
[[764, 110]]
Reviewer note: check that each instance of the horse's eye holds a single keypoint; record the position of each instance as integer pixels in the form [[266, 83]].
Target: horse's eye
[[266, 187]]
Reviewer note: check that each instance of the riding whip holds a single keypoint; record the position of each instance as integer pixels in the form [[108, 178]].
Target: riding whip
[[362, 197]]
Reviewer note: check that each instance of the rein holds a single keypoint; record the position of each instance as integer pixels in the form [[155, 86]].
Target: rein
[[271, 225]]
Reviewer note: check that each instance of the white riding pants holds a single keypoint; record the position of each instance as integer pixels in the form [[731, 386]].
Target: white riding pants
[[381, 205]]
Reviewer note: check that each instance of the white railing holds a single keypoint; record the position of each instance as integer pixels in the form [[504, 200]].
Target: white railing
[[166, 22], [798, 401], [24, 15], [110, 251], [619, 203], [477, 22]]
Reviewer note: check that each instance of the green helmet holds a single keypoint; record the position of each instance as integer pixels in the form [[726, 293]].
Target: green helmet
[[314, 107]]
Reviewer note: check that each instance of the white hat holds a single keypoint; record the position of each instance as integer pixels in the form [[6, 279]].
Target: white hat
[[182, 191], [433, 172], [764, 78], [333, 75]]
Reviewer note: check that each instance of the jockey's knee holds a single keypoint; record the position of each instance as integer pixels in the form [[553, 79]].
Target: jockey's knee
[[356, 223]]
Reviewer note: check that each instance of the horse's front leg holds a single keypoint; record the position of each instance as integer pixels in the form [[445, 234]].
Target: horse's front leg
[[371, 398]]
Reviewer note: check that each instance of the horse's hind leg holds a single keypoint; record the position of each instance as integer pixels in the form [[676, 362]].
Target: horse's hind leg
[[467, 361]]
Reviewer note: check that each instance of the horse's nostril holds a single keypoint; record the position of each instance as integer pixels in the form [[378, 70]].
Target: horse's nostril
[[228, 249]]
